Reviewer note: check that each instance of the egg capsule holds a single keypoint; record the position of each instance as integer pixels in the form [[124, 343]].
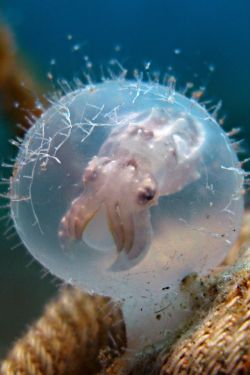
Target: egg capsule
[[123, 189]]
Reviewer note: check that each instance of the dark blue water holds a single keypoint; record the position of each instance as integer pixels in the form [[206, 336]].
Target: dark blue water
[[192, 37], [207, 32]]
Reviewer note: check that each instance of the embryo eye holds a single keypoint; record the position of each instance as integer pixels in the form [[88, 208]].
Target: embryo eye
[[132, 163], [90, 175], [145, 195]]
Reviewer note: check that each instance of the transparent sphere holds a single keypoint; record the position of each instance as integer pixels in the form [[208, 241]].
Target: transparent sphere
[[124, 188]]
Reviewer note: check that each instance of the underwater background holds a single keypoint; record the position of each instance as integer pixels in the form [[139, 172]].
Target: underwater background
[[200, 41]]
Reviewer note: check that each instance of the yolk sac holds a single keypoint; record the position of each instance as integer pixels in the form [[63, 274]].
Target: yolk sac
[[124, 188]]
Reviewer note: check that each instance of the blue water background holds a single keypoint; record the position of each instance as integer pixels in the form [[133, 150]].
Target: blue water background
[[192, 37]]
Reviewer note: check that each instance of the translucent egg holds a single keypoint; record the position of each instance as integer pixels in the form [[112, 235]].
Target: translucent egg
[[123, 189]]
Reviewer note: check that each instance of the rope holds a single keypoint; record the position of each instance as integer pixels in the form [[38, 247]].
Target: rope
[[77, 334], [221, 343], [17, 85]]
